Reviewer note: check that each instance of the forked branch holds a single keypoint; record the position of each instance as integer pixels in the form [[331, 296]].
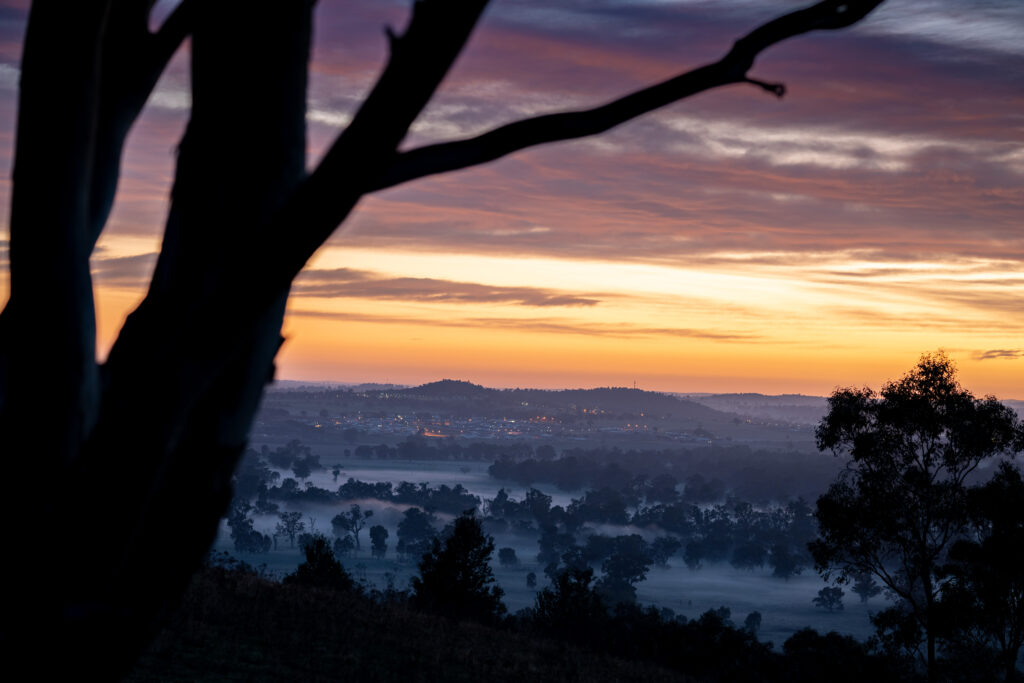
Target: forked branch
[[451, 156]]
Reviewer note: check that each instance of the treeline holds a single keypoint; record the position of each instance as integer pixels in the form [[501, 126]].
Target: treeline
[[759, 476], [735, 532], [738, 532], [257, 482], [454, 582], [756, 475], [422, 448]]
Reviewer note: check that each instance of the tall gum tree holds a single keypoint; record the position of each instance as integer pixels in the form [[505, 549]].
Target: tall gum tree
[[900, 505], [143, 446]]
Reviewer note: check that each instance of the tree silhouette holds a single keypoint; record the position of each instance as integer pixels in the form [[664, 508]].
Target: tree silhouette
[[830, 598], [902, 502], [984, 598], [290, 526], [351, 523], [379, 540], [455, 578], [570, 607], [865, 586], [321, 568], [165, 418]]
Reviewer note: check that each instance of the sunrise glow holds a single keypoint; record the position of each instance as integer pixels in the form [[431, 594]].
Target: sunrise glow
[[730, 242]]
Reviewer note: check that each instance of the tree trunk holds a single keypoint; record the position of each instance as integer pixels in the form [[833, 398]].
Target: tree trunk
[[155, 472], [49, 393]]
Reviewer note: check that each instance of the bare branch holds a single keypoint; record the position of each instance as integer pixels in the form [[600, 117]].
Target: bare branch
[[169, 37], [133, 60], [451, 156], [777, 89], [418, 62]]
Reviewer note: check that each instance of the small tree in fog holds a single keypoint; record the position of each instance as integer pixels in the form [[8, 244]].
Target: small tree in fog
[[344, 546], [830, 598], [321, 568], [290, 526], [753, 622], [455, 576], [378, 540], [415, 531], [784, 562], [507, 557], [245, 538], [570, 606], [664, 547], [865, 586], [625, 567], [351, 522]]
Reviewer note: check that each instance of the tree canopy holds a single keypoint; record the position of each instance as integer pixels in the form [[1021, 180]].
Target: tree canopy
[[902, 502], [455, 578]]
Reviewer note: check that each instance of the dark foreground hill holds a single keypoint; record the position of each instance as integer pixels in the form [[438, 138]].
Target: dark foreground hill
[[240, 627]]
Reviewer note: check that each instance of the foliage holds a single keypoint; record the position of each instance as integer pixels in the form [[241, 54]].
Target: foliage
[[351, 523], [830, 598], [455, 579], [378, 540], [320, 568], [305, 465], [344, 546], [290, 525], [983, 600], [865, 586], [507, 557], [627, 565], [812, 657], [570, 606], [415, 531], [245, 538], [902, 502]]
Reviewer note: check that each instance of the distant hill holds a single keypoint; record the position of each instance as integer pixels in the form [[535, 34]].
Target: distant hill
[[446, 389], [792, 408], [616, 400]]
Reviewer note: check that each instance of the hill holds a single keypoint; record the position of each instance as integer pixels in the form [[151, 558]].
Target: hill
[[240, 627]]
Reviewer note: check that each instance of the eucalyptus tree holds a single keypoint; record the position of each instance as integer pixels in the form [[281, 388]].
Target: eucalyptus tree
[[898, 508], [164, 419]]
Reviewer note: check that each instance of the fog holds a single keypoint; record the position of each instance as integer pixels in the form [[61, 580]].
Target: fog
[[785, 606]]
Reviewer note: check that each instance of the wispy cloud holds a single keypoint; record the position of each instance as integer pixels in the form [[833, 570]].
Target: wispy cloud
[[546, 325], [124, 271], [992, 354], [350, 283], [832, 148]]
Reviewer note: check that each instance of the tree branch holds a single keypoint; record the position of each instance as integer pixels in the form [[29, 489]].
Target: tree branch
[[451, 156], [419, 60], [171, 34], [133, 60]]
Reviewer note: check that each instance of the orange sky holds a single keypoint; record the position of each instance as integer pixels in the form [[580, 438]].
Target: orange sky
[[732, 242]]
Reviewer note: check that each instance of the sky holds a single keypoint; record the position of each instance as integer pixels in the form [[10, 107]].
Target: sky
[[732, 241]]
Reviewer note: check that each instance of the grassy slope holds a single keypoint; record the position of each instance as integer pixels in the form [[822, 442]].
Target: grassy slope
[[243, 628]]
